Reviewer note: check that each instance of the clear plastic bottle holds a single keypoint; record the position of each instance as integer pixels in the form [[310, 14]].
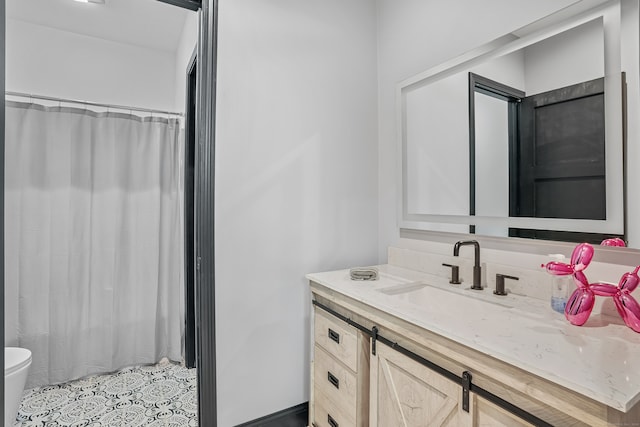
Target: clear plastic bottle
[[560, 287]]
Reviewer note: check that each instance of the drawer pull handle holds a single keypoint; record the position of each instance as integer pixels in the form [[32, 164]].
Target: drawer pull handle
[[333, 380], [331, 421], [334, 336]]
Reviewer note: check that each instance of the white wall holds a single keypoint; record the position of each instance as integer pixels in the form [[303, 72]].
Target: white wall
[[296, 184], [438, 147], [571, 57], [186, 46], [47, 61], [437, 140], [415, 35], [492, 159], [508, 70]]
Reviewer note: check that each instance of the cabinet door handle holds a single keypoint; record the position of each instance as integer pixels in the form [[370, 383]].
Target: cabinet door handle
[[331, 421], [333, 380], [334, 335]]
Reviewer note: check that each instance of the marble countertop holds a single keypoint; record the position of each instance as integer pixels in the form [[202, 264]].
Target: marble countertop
[[600, 360]]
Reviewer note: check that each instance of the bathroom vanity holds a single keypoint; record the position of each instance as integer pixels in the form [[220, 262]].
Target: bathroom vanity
[[409, 349]]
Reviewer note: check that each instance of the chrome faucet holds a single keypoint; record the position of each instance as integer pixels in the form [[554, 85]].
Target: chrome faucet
[[476, 266]]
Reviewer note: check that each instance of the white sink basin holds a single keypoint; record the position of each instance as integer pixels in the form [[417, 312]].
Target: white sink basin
[[425, 295]]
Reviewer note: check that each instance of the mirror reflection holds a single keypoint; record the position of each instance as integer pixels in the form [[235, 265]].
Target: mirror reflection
[[520, 135], [544, 139]]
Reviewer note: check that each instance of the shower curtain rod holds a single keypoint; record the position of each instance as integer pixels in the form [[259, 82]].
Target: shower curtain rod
[[95, 104]]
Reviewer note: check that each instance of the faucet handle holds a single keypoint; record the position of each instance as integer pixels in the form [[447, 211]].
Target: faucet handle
[[455, 274], [500, 283]]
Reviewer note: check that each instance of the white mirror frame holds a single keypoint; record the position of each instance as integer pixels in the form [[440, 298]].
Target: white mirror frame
[[610, 13]]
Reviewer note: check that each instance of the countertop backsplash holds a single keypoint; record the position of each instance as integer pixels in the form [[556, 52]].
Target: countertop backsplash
[[534, 281]]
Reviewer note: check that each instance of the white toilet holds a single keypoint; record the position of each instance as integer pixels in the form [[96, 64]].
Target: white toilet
[[16, 366]]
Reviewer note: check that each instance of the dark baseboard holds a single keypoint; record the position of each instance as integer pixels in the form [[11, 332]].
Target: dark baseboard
[[296, 416]]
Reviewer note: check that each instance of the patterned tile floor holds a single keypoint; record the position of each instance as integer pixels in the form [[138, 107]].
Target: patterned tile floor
[[162, 395]]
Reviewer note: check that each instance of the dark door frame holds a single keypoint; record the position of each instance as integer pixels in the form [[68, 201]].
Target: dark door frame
[[186, 4], [3, 37], [204, 184], [503, 92], [189, 211]]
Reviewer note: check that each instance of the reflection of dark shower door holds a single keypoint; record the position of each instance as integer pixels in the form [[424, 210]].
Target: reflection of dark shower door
[[561, 162], [189, 206]]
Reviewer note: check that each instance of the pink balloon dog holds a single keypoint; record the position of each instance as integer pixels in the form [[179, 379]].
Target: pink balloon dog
[[614, 241], [581, 301]]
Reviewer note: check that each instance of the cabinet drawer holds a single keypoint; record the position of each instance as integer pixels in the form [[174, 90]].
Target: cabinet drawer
[[335, 381], [326, 414], [337, 338]]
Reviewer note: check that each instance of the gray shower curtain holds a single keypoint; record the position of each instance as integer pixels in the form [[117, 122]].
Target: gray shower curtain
[[94, 239]]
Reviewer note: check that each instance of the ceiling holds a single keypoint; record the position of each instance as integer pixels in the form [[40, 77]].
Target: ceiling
[[146, 23]]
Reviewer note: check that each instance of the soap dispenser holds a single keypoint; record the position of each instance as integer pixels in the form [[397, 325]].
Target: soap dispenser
[[560, 287]]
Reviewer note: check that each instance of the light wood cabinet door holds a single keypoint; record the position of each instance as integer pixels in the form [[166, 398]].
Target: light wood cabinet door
[[486, 414], [405, 393], [336, 382], [339, 339], [339, 374], [328, 414]]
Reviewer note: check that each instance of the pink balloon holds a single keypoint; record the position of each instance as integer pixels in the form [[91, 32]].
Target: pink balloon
[[604, 289], [614, 241], [581, 301], [559, 268], [579, 306], [629, 309], [581, 256], [627, 306], [629, 281], [580, 279]]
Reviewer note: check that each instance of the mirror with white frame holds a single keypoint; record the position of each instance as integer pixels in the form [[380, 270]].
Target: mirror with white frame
[[458, 165]]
